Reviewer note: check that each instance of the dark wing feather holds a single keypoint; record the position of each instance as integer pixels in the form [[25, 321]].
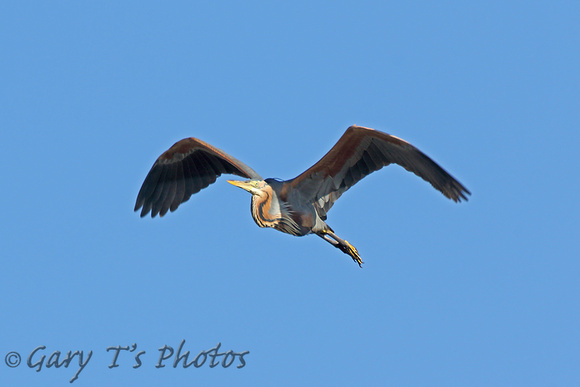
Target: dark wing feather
[[361, 151], [189, 166]]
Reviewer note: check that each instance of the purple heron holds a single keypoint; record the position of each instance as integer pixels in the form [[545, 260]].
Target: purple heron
[[297, 206]]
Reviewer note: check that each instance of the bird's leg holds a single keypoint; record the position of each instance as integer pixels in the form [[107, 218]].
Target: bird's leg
[[341, 244]]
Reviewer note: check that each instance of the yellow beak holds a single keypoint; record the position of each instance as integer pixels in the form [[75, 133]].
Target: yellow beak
[[241, 184]]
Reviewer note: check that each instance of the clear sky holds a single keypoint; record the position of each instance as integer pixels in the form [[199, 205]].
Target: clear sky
[[473, 294]]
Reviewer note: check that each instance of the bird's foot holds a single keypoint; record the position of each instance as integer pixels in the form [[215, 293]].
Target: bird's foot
[[353, 252], [341, 244]]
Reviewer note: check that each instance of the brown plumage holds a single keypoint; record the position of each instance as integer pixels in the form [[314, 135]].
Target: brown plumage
[[298, 206], [189, 166]]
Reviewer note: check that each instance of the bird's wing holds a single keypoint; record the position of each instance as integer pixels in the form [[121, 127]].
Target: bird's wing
[[361, 151], [187, 167]]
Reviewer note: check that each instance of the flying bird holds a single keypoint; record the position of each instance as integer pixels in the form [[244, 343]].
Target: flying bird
[[297, 206]]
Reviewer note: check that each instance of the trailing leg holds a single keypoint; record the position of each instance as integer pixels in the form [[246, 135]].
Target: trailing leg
[[341, 244]]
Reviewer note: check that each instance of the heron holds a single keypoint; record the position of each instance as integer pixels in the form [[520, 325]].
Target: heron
[[298, 206]]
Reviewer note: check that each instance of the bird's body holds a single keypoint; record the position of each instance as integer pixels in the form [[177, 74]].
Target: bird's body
[[270, 207], [297, 206]]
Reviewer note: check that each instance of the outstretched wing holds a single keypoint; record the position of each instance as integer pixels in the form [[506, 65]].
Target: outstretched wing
[[361, 151], [187, 167]]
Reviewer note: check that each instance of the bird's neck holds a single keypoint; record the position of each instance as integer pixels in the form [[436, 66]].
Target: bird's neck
[[263, 208]]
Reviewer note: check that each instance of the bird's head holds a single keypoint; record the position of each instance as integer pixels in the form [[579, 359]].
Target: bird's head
[[255, 187]]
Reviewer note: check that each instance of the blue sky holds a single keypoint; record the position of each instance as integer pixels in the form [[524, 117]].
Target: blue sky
[[478, 293]]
